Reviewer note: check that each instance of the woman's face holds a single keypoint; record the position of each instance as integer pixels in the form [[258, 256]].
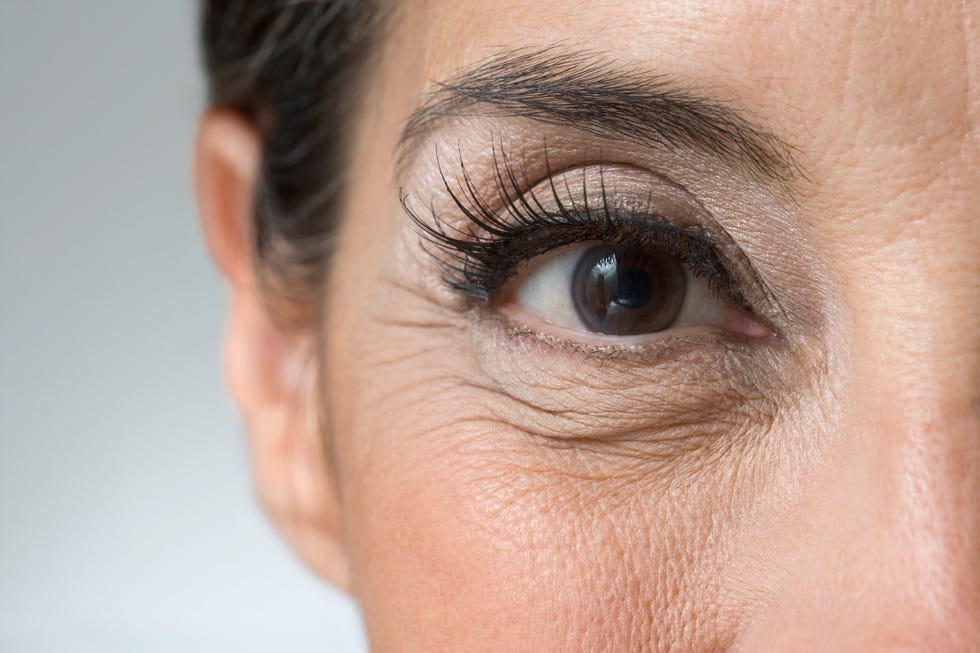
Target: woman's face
[[653, 326]]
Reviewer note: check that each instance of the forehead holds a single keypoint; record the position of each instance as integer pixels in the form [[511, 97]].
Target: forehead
[[906, 50], [878, 91]]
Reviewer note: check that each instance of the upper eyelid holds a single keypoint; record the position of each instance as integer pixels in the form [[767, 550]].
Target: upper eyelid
[[484, 202]]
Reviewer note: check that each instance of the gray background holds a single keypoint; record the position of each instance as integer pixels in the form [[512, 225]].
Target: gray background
[[127, 521]]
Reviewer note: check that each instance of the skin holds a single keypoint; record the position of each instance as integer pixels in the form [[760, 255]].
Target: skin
[[479, 490]]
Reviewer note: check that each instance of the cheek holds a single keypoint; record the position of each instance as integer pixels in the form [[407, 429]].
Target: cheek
[[470, 530], [473, 525], [468, 534]]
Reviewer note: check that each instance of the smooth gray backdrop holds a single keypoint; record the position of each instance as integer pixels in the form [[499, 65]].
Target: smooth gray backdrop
[[127, 521]]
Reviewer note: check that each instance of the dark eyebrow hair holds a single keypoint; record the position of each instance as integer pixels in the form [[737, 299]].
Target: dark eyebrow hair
[[580, 89]]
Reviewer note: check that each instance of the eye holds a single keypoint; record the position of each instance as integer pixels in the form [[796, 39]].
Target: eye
[[621, 290], [597, 252]]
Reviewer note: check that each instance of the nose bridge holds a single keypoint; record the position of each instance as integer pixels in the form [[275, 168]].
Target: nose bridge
[[916, 404], [914, 513], [927, 472], [890, 559], [918, 369]]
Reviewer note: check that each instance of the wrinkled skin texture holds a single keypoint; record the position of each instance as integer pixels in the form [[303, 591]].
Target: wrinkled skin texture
[[499, 493]]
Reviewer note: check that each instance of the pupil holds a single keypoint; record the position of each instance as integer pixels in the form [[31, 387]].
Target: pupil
[[634, 288], [627, 290]]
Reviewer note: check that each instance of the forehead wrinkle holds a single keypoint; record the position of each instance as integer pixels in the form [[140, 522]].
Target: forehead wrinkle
[[581, 90]]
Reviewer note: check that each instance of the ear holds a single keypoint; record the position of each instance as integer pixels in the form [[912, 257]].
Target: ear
[[272, 372]]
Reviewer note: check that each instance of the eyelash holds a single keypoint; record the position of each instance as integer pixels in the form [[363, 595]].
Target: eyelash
[[479, 261]]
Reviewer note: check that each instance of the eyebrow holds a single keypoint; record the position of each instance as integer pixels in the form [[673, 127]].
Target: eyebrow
[[581, 90]]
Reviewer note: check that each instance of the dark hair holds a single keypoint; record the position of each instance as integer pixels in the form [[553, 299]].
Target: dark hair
[[292, 68]]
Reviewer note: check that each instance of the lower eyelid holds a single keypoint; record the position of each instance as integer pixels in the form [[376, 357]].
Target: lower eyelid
[[528, 330], [525, 325], [671, 355]]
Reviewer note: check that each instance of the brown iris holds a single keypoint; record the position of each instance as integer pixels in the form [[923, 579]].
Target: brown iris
[[626, 290]]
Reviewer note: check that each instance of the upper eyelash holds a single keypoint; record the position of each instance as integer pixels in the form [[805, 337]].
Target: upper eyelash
[[480, 260]]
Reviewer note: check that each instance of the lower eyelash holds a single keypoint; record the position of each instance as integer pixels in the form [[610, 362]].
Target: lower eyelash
[[480, 260]]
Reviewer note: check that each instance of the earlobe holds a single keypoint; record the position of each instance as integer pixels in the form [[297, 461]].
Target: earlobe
[[272, 372], [273, 377]]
